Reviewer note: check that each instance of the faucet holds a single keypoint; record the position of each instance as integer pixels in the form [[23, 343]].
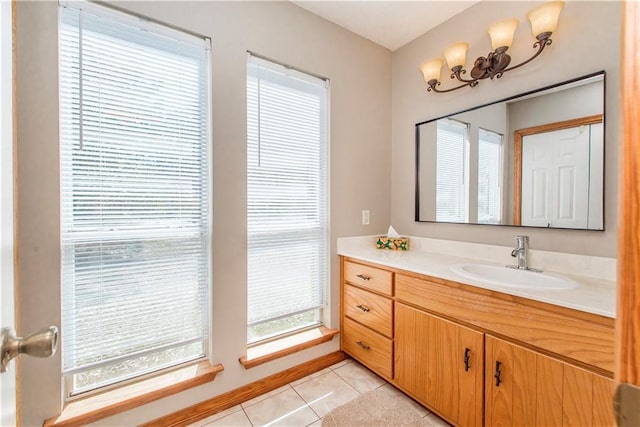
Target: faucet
[[521, 253]]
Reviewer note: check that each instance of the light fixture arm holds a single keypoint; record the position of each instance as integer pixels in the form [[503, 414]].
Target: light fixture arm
[[456, 73], [544, 20], [434, 83], [544, 40], [495, 64]]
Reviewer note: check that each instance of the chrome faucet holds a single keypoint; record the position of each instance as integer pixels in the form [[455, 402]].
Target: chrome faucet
[[521, 252]]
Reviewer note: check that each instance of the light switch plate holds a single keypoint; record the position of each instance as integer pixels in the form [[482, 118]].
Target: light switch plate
[[365, 217]]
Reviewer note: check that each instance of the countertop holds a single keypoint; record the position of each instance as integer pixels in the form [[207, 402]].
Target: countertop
[[592, 294]]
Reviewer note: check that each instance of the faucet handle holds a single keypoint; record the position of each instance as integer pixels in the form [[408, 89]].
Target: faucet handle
[[522, 238]]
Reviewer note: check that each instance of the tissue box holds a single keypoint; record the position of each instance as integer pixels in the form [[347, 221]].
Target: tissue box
[[393, 243]]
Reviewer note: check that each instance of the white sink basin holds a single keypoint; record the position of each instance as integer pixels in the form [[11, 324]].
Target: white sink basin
[[513, 278]]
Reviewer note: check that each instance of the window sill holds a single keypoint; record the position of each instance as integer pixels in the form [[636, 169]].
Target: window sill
[[276, 349], [91, 409]]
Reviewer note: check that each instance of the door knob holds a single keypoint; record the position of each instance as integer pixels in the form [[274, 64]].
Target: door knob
[[39, 344]]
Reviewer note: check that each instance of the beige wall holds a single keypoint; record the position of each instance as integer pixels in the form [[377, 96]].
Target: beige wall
[[587, 40], [360, 74], [376, 98]]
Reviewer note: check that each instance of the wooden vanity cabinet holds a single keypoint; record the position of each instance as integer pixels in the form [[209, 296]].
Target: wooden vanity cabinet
[[526, 388], [367, 316], [440, 363], [447, 344]]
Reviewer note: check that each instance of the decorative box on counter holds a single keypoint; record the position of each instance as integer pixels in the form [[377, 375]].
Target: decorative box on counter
[[393, 243]]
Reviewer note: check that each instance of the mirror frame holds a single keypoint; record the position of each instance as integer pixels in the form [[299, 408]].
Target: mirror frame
[[510, 98]]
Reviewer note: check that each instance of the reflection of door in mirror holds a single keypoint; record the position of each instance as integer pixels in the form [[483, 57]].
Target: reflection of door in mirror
[[554, 186]]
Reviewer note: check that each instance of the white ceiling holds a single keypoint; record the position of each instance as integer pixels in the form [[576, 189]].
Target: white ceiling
[[391, 24]]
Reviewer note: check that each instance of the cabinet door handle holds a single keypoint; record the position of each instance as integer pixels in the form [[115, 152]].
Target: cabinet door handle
[[467, 352], [364, 276], [497, 374], [363, 345], [363, 308]]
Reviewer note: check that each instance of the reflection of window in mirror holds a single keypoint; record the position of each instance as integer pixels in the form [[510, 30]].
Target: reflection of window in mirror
[[452, 183], [490, 166]]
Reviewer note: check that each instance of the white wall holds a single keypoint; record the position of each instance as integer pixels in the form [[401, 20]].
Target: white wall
[[587, 40], [360, 170]]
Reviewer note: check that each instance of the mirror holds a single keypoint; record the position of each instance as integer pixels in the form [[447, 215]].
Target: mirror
[[534, 159]]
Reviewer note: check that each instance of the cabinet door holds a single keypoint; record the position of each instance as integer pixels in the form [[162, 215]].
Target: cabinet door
[[440, 363], [526, 388]]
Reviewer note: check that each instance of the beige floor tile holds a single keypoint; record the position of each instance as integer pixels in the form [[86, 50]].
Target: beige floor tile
[[316, 423], [419, 409], [283, 409], [326, 392], [436, 421], [237, 419], [265, 396], [308, 377], [359, 377], [340, 364], [217, 416]]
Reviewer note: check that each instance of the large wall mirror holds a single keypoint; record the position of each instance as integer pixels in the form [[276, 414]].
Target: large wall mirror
[[535, 159]]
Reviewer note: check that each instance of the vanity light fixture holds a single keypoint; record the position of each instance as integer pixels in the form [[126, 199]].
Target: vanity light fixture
[[544, 20]]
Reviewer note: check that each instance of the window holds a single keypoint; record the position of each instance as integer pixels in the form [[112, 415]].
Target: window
[[286, 199], [452, 160], [489, 177], [134, 196]]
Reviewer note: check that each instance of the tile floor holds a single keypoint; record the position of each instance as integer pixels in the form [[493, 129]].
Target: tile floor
[[304, 402]]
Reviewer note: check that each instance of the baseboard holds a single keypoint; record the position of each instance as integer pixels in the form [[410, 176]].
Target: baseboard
[[232, 398]]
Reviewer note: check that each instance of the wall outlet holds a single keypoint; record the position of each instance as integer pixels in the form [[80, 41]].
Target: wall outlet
[[365, 217]]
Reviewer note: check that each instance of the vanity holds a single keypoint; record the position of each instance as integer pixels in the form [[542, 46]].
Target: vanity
[[475, 352]]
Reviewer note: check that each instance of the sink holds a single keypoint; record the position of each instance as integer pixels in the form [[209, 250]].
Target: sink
[[513, 278]]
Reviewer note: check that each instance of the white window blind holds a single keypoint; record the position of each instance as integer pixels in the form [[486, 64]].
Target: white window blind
[[286, 198], [452, 164], [134, 196], [489, 177]]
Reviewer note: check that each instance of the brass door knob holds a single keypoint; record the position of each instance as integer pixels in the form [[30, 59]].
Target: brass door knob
[[40, 344]]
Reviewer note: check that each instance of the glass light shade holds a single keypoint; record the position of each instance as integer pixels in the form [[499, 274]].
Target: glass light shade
[[544, 18], [431, 69], [501, 33], [456, 55]]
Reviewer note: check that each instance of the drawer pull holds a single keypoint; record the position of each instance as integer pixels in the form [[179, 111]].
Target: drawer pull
[[466, 359], [363, 308], [364, 346], [364, 276], [497, 374]]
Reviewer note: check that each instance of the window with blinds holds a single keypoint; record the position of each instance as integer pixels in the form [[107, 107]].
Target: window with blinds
[[489, 177], [286, 199], [452, 164], [134, 102]]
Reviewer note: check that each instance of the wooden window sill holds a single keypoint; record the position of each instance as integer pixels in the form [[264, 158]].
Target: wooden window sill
[[94, 408], [276, 349]]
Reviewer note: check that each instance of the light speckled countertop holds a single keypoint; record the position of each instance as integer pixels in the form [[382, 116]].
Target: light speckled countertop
[[593, 294]]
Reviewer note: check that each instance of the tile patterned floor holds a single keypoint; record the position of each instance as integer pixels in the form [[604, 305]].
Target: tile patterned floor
[[304, 402]]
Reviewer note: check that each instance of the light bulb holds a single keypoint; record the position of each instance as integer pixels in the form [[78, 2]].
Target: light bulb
[[431, 69], [456, 55], [501, 33], [544, 18]]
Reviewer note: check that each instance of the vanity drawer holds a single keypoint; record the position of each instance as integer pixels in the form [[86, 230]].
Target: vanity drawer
[[370, 348], [369, 277], [368, 309]]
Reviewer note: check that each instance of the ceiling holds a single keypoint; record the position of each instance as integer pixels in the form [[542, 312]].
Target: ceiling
[[391, 24]]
